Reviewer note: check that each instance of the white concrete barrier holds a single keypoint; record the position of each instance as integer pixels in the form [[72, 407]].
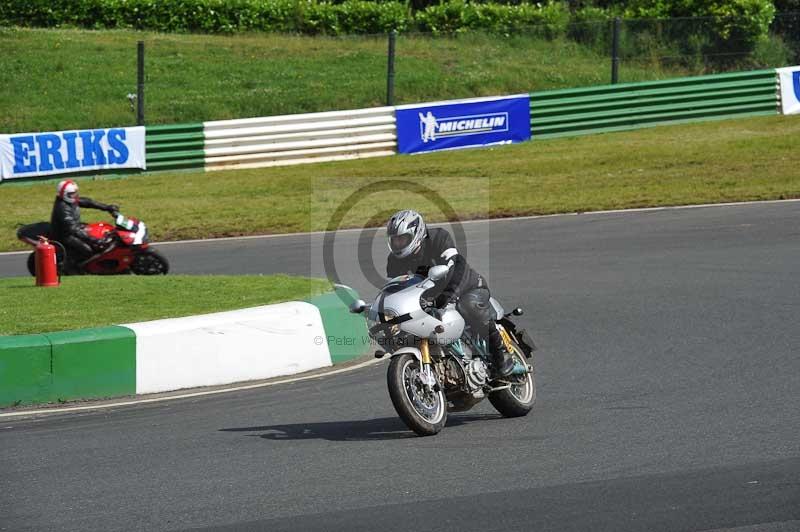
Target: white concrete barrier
[[226, 347]]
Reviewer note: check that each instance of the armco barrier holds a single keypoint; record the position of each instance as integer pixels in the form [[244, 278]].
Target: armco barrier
[[570, 112], [174, 147], [164, 355], [359, 133], [295, 139]]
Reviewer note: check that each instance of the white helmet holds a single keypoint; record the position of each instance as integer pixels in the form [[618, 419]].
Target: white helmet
[[406, 230], [68, 190]]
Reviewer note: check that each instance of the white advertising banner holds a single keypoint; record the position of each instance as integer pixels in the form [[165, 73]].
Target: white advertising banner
[[38, 154], [790, 89]]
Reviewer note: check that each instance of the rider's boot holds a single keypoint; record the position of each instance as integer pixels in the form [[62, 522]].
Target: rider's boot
[[502, 361]]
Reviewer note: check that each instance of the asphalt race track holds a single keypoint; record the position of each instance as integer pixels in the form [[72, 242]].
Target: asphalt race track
[[668, 400]]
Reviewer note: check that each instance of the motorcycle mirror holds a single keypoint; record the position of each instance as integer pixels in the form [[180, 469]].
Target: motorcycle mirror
[[358, 306], [438, 272], [517, 312]]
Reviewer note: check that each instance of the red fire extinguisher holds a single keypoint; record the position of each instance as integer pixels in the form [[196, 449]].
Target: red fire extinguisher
[[46, 269]]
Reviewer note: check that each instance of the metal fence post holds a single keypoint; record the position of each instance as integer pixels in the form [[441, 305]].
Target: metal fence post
[[140, 84], [615, 51], [390, 69]]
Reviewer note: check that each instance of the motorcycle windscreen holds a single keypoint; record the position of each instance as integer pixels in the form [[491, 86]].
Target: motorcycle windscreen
[[401, 283], [132, 231]]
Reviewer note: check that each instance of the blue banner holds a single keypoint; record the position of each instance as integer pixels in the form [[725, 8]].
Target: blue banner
[[463, 123], [37, 154]]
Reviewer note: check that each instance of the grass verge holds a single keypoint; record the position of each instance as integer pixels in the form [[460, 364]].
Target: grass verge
[[70, 79], [97, 301], [734, 160]]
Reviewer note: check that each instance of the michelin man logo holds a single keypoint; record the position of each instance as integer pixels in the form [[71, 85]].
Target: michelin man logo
[[428, 123], [432, 127]]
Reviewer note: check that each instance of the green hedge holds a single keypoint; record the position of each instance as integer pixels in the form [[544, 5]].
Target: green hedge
[[302, 16], [211, 16], [743, 22], [549, 20], [652, 27], [690, 32]]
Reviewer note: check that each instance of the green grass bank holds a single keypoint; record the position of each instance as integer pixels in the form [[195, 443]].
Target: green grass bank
[[88, 301], [72, 79], [732, 160]]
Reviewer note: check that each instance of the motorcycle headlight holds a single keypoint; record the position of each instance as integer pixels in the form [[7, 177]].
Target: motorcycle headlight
[[375, 320], [394, 329]]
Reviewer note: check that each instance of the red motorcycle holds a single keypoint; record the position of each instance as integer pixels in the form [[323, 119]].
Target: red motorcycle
[[126, 249]]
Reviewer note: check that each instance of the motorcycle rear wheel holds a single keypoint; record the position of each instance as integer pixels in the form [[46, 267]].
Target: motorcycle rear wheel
[[59, 263], [424, 412], [517, 400], [150, 262]]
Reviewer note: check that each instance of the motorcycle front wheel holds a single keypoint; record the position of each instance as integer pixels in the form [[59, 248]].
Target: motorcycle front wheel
[[422, 409], [150, 262], [516, 400]]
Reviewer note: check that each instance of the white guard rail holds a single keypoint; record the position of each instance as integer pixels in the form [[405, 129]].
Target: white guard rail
[[296, 139]]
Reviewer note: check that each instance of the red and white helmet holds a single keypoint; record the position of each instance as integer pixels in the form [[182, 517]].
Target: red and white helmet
[[68, 191]]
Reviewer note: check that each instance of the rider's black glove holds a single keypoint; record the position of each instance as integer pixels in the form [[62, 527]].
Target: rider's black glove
[[444, 299], [112, 208], [98, 245], [102, 243]]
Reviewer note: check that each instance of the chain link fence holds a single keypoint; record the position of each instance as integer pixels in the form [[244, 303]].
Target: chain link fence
[[64, 79]]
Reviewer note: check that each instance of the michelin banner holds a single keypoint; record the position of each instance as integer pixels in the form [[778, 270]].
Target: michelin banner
[[37, 154], [463, 123], [790, 89]]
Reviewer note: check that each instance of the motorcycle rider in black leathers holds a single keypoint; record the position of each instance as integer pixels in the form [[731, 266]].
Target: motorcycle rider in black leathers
[[66, 226], [415, 249]]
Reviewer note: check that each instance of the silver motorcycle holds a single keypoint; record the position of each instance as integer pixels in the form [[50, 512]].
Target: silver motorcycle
[[439, 364]]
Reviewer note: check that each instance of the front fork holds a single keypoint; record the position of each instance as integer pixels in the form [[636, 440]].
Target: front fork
[[519, 369], [426, 373], [506, 338], [425, 351]]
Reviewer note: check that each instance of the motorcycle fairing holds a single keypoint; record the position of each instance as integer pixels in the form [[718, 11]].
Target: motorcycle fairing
[[401, 296]]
